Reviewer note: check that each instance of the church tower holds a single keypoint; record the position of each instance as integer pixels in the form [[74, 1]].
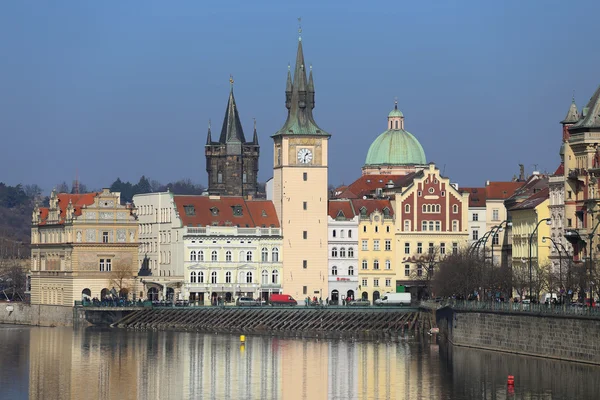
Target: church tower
[[300, 188], [232, 163]]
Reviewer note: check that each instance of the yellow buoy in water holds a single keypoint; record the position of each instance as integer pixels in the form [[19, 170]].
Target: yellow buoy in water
[[242, 338]]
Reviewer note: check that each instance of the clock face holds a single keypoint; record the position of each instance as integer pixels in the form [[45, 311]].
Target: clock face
[[305, 156]]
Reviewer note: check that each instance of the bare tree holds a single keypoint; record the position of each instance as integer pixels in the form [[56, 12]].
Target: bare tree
[[12, 279], [122, 277]]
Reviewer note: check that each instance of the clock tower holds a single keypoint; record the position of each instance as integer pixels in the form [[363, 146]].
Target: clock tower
[[300, 188]]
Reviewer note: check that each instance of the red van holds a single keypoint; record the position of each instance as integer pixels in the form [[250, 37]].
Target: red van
[[282, 300]]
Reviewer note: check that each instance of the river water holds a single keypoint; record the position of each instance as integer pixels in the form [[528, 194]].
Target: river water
[[104, 363]]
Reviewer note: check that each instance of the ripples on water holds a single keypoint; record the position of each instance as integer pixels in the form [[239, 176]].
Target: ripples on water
[[95, 363]]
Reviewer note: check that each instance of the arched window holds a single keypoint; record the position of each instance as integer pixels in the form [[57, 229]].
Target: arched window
[[388, 264], [275, 277], [350, 270], [275, 254], [334, 270], [438, 226], [396, 124], [214, 256], [455, 226], [228, 277], [407, 208], [455, 209], [431, 225], [334, 252], [249, 257], [387, 229], [228, 256], [264, 254], [341, 233], [193, 277], [200, 256], [200, 277], [424, 226], [428, 208], [333, 233], [376, 264], [365, 265], [376, 229], [213, 277], [264, 277], [406, 225], [424, 208], [364, 228], [248, 277], [242, 255], [342, 252], [350, 252], [193, 255], [437, 208], [349, 233]]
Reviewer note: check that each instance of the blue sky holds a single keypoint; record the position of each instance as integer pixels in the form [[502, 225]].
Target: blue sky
[[120, 89]]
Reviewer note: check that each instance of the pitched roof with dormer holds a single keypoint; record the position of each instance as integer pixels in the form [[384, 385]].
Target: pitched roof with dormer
[[533, 201], [340, 208], [590, 115], [367, 184], [372, 205], [225, 211], [501, 190], [477, 196]]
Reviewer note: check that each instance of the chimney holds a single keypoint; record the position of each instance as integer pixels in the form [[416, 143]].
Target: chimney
[[487, 183]]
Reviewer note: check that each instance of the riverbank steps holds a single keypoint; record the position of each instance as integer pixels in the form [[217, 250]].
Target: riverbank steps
[[367, 324]]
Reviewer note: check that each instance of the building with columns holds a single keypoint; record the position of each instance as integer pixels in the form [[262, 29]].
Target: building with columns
[[231, 162], [83, 246], [300, 193]]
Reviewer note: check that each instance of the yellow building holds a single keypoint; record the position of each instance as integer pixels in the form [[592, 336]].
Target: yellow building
[[300, 189], [375, 248], [82, 245], [526, 216]]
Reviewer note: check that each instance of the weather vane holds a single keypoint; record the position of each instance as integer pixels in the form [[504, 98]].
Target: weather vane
[[300, 28], [231, 79]]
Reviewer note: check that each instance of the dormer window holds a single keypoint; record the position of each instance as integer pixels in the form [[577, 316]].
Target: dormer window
[[363, 211], [237, 211], [214, 211], [386, 212], [190, 210], [340, 215], [263, 214]]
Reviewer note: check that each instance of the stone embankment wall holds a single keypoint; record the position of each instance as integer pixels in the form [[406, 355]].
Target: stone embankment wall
[[571, 338], [35, 314]]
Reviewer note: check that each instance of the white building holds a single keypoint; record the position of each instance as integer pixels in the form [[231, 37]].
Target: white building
[[231, 248], [477, 214], [160, 254], [342, 224]]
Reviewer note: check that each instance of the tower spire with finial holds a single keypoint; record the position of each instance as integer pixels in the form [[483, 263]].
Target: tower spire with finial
[[255, 137], [299, 29], [209, 135]]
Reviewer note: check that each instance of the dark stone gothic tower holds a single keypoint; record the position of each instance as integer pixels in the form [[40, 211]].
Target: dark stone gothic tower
[[232, 163]]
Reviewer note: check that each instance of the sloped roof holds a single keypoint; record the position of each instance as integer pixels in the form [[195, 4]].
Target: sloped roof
[[533, 200], [334, 207], [560, 171], [367, 184], [501, 190], [78, 201], [372, 204], [219, 210], [591, 114], [477, 196]]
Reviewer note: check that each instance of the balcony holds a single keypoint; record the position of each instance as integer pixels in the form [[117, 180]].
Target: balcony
[[230, 231]]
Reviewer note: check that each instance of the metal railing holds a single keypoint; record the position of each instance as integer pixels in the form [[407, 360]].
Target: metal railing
[[508, 307]]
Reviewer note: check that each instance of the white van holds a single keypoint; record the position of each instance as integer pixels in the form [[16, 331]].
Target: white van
[[394, 299]]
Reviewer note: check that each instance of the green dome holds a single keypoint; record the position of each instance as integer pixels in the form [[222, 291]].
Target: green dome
[[395, 113], [396, 147]]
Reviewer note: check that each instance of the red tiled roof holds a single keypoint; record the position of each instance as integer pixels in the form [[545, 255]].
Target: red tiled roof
[[78, 201], [254, 213], [477, 196], [367, 184], [534, 200], [501, 190], [343, 205], [372, 205], [560, 170]]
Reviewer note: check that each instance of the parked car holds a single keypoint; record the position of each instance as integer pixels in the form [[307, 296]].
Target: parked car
[[246, 302], [359, 303], [282, 300]]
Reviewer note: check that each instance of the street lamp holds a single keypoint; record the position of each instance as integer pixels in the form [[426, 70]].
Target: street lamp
[[559, 265], [590, 249], [548, 222], [508, 225]]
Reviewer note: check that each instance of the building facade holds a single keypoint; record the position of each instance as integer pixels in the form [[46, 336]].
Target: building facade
[[375, 247], [231, 162], [83, 246], [300, 188], [231, 248], [343, 251]]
